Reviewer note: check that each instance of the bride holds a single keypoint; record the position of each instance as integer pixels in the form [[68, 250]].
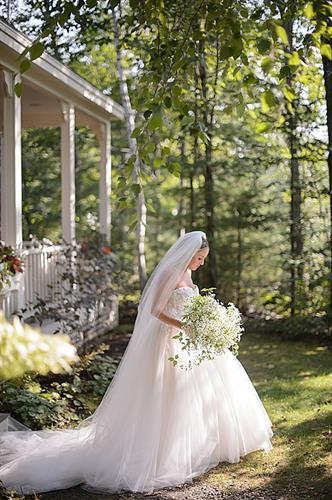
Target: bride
[[157, 425]]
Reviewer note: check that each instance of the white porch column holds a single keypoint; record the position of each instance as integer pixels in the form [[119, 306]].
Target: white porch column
[[68, 172], [11, 165], [105, 181]]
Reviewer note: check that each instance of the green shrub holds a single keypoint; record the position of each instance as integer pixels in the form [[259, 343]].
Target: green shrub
[[59, 401], [311, 328]]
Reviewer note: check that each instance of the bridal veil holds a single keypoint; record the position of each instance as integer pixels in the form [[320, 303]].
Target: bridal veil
[[119, 440]]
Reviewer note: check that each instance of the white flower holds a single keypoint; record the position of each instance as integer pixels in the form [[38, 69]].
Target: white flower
[[208, 329]]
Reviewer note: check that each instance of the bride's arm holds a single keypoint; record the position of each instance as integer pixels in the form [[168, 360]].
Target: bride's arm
[[169, 320]]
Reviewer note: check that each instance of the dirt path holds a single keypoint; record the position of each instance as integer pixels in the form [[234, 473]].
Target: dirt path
[[198, 490]]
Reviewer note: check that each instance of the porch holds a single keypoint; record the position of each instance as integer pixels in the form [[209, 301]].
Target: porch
[[53, 96]]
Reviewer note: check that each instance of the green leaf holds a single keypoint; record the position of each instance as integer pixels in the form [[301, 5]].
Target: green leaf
[[237, 47], [129, 165], [176, 90], [264, 45], [268, 100], [294, 59], [25, 65], [150, 207], [249, 79], [174, 168], [132, 226], [203, 136], [284, 72], [290, 107], [133, 219], [225, 52], [136, 188], [122, 181], [150, 147], [114, 3], [155, 121], [168, 101], [157, 162], [179, 64], [289, 93], [282, 34], [197, 35], [63, 18], [136, 132], [133, 3], [281, 119], [262, 127], [309, 11], [123, 204], [244, 59], [18, 89], [267, 64], [36, 50], [240, 108], [326, 50]]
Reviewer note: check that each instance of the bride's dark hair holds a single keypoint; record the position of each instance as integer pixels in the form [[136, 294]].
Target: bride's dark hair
[[205, 243]]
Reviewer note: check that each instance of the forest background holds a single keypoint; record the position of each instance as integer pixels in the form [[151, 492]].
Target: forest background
[[230, 135]]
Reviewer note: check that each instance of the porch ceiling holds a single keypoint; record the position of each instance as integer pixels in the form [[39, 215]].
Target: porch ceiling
[[54, 80], [42, 109]]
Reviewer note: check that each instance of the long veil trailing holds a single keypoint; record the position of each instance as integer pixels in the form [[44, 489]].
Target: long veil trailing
[[116, 448]]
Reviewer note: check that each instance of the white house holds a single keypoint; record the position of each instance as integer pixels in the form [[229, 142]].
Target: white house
[[53, 96]]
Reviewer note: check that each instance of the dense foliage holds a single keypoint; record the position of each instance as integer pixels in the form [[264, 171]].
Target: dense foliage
[[231, 131]]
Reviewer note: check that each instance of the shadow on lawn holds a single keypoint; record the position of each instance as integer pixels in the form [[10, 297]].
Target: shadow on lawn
[[297, 479], [286, 363]]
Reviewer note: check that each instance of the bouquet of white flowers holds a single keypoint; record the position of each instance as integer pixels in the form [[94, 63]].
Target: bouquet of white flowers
[[208, 328]]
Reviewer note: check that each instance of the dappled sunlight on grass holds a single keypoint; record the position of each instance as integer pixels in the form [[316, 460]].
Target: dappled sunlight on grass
[[294, 381]]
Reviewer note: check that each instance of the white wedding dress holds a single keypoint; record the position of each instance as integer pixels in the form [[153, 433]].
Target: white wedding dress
[[161, 425]]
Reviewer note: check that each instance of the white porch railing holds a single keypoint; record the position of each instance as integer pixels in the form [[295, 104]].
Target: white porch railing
[[41, 272], [9, 302], [42, 267]]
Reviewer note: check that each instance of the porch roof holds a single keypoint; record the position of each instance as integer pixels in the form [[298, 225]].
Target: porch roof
[[48, 74]]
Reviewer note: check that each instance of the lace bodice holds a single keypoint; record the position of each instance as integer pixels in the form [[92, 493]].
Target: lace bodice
[[175, 305]]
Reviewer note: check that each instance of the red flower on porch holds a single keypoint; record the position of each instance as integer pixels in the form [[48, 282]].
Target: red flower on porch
[[13, 263], [106, 249], [16, 265]]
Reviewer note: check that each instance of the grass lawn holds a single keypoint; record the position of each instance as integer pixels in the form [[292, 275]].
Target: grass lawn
[[294, 380]]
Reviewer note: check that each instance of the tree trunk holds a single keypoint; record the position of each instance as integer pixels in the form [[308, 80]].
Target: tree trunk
[[208, 173], [327, 64], [239, 258], [296, 236], [182, 212], [195, 156], [130, 124], [295, 219]]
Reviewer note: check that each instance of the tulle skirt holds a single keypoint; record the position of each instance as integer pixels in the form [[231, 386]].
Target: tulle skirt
[[157, 426]]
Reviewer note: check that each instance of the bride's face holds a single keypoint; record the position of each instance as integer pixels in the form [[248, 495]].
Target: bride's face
[[198, 259]]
